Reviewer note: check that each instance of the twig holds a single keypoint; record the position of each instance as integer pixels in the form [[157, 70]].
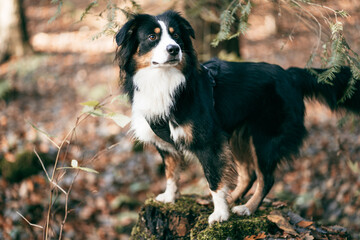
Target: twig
[[103, 151], [66, 205], [42, 164], [44, 134], [67, 139], [31, 224], [47, 175], [319, 32]]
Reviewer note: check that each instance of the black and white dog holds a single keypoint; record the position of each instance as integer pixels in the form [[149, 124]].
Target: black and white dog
[[239, 119]]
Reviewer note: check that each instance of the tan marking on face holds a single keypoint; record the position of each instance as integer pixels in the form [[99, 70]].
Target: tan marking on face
[[171, 30], [157, 30], [143, 61], [181, 65]]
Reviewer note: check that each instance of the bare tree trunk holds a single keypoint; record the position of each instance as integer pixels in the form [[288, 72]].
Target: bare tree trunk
[[14, 40]]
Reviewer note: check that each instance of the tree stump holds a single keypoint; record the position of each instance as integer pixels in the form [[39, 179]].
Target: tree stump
[[187, 219]]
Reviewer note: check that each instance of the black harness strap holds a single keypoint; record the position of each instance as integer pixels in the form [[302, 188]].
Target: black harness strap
[[211, 79], [210, 75]]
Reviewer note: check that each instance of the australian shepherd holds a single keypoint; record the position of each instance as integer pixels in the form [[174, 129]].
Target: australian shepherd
[[238, 119]]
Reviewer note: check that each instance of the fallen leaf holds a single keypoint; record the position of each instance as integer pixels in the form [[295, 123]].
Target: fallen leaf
[[294, 218], [202, 201], [252, 237], [277, 218], [261, 235], [10, 157], [279, 204], [337, 228], [305, 224], [308, 237]]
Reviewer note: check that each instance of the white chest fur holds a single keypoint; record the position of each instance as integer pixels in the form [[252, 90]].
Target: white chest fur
[[153, 98]]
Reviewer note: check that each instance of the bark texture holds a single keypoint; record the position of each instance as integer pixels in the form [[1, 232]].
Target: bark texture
[[187, 219], [14, 40]]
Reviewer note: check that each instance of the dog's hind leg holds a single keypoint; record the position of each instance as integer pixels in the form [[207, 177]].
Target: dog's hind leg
[[265, 181], [245, 179], [172, 173], [240, 147]]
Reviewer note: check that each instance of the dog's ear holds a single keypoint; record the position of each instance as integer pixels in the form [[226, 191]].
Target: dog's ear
[[125, 33], [184, 24], [187, 27]]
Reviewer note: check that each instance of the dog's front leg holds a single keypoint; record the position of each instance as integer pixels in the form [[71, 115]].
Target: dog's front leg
[[218, 168], [172, 170], [221, 209]]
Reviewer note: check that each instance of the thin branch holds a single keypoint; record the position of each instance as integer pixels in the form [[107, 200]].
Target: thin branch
[[314, 18], [66, 205], [31, 224], [61, 189], [42, 164], [103, 151], [67, 139], [47, 175], [44, 134]]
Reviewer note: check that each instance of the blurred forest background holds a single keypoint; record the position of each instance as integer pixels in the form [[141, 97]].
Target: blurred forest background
[[65, 58]]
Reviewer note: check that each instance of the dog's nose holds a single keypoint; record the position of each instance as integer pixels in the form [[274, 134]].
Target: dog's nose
[[173, 50]]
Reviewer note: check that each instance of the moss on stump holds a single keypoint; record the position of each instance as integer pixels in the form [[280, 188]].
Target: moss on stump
[[188, 219]]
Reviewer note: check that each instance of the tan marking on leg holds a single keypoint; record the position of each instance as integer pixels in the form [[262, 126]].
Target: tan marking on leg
[[229, 173], [253, 203], [244, 179], [171, 167], [157, 30], [172, 170], [240, 146], [171, 30], [188, 129]]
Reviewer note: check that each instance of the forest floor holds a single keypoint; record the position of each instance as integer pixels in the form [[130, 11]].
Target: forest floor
[[45, 90]]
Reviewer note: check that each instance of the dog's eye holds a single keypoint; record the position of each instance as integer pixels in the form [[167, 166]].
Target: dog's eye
[[175, 36], [152, 37]]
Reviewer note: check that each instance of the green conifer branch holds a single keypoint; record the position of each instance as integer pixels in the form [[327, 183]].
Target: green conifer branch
[[227, 19]]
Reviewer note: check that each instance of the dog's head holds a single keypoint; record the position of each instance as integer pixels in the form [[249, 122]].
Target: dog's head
[[153, 41]]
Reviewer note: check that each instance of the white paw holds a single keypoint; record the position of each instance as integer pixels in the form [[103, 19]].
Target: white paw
[[218, 216], [241, 210], [166, 198]]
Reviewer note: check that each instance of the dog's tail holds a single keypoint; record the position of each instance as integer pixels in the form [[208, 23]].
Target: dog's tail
[[331, 94]]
